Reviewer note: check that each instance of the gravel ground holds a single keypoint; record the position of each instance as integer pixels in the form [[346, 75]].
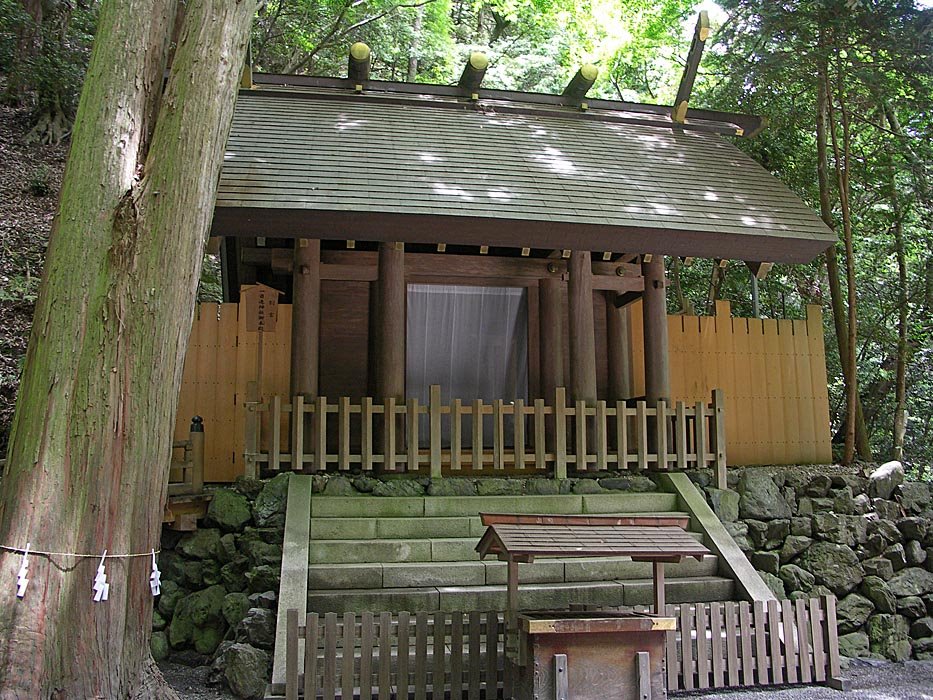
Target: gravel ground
[[912, 680]]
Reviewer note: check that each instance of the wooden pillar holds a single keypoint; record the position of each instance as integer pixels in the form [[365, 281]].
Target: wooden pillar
[[619, 352], [582, 330], [657, 363], [306, 317], [390, 323], [550, 311]]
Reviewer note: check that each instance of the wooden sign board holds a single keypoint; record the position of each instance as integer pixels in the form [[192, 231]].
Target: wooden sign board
[[262, 307]]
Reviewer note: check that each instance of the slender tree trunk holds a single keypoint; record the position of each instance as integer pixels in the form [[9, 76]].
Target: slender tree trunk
[[91, 439], [841, 164], [903, 349], [414, 45], [832, 266]]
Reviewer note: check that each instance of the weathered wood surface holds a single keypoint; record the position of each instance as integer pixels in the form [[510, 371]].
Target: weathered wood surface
[[352, 444], [452, 654]]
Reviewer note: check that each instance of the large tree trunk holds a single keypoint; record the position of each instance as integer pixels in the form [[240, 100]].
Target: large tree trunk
[[87, 463]]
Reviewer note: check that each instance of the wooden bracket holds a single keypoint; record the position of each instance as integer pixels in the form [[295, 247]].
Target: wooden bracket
[[759, 269], [681, 102]]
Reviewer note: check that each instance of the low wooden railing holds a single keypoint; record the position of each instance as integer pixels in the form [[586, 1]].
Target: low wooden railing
[[542, 438], [460, 655]]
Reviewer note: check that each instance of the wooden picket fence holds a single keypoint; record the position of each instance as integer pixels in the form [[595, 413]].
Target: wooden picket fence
[[543, 438], [447, 654]]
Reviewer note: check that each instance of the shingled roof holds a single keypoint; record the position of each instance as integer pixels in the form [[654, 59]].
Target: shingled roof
[[302, 160]]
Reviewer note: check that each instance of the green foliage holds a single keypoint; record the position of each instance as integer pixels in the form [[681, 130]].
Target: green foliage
[[210, 287], [40, 182]]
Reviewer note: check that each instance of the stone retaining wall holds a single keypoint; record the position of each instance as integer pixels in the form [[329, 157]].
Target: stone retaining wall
[[866, 539]]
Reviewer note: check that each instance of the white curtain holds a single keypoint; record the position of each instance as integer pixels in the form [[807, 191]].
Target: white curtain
[[473, 341]]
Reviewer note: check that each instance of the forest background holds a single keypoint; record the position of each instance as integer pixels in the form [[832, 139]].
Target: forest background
[[847, 86]]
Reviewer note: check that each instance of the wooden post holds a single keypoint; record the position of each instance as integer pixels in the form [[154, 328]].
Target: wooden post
[[389, 341], [551, 353], [657, 365], [619, 352], [306, 317], [658, 587], [582, 330], [718, 434], [196, 436]]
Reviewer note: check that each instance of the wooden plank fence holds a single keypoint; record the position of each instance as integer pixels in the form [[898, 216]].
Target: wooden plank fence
[[446, 654], [599, 437]]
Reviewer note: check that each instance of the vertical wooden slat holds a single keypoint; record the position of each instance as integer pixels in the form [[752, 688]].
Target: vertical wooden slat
[[421, 655], [275, 444], [719, 438], [540, 440], [343, 433], [745, 625], [348, 649], [518, 419], [291, 654], [580, 447], [774, 635], [702, 647], [439, 667], [803, 640], [761, 644], [389, 429], [404, 631], [477, 448], [670, 652], [329, 683], [600, 437], [832, 638], [320, 434], [475, 622], [560, 433], [686, 645], [641, 434], [311, 641], [498, 435], [434, 423], [413, 458], [715, 627], [366, 433], [790, 645], [732, 652], [456, 441], [366, 656], [298, 433], [660, 425], [701, 434], [385, 656], [816, 639], [621, 436], [456, 656], [680, 434], [492, 654]]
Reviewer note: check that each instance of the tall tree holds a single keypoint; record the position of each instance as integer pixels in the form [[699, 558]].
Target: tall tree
[[86, 468]]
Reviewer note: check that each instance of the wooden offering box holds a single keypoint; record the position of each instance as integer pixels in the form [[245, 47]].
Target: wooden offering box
[[591, 656], [583, 655]]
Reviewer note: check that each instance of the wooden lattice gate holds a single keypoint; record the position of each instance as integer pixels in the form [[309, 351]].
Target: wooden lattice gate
[[446, 654]]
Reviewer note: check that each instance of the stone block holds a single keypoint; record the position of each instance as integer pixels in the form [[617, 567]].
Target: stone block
[[913, 528], [854, 645], [454, 549], [500, 487], [801, 526], [452, 487], [793, 547], [915, 553], [362, 551], [342, 486], [876, 590], [887, 636], [769, 562], [911, 607], [541, 571], [774, 583], [760, 498], [834, 565], [795, 578], [922, 628], [818, 486], [421, 575], [914, 496], [896, 555], [878, 566], [366, 507], [344, 576], [883, 481], [398, 488], [888, 510], [228, 510], [852, 612], [911, 582], [422, 528], [343, 528], [809, 506]]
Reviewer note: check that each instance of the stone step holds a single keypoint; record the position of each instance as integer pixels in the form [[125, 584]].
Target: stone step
[[426, 527], [449, 506], [481, 573], [532, 596], [450, 549]]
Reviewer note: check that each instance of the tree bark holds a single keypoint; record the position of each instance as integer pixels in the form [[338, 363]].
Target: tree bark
[[903, 348], [91, 438]]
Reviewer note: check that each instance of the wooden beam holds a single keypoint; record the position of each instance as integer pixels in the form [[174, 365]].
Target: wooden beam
[[550, 310], [306, 317], [681, 102], [582, 328], [627, 299], [246, 77], [654, 314], [619, 352], [575, 92], [389, 341], [473, 73], [358, 65], [759, 269]]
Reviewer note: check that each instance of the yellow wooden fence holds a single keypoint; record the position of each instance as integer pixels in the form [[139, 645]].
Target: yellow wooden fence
[[772, 372]]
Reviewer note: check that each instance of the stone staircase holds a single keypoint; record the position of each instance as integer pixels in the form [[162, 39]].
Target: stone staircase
[[417, 554]]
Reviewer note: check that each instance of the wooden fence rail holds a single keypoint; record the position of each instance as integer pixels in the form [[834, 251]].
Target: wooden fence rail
[[446, 654], [534, 437]]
